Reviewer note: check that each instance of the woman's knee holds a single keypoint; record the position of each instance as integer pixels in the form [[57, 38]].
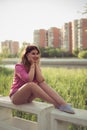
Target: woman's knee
[[28, 85], [31, 84]]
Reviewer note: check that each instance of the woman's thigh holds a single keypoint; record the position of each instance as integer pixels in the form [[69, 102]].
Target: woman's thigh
[[50, 91], [23, 95]]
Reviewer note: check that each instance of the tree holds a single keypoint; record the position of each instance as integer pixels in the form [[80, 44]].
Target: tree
[[85, 9]]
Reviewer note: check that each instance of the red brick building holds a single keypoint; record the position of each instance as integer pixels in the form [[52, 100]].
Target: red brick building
[[72, 35]]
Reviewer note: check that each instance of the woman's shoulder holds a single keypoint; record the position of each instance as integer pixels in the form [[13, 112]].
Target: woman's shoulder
[[19, 65]]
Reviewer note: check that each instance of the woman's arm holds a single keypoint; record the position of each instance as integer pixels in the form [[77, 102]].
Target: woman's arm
[[31, 72], [39, 76], [21, 72]]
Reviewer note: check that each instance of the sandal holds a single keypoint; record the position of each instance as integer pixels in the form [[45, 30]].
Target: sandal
[[66, 108]]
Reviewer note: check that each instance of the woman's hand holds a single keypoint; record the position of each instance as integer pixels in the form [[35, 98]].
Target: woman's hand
[[31, 60], [37, 61], [31, 71]]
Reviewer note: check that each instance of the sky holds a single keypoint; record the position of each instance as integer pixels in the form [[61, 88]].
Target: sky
[[19, 18]]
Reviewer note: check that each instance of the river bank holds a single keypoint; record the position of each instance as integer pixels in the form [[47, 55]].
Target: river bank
[[51, 62]]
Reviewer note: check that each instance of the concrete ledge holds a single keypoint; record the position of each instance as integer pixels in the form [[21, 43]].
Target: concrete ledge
[[79, 118], [42, 110], [48, 118], [5, 126], [34, 107]]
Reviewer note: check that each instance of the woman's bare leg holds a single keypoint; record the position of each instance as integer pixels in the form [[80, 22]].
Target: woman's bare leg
[[25, 93], [53, 94]]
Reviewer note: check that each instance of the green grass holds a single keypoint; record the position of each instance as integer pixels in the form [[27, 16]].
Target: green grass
[[6, 76], [71, 84]]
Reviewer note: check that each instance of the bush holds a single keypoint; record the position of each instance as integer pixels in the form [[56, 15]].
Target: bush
[[82, 54], [76, 52]]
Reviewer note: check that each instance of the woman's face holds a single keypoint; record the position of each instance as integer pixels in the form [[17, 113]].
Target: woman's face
[[33, 55]]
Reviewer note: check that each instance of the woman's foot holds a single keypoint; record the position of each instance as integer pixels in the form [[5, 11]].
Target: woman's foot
[[66, 108]]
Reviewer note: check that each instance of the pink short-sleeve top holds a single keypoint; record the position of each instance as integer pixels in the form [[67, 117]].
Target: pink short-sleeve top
[[21, 77]]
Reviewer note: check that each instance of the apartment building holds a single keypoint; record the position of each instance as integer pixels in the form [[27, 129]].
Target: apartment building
[[79, 34], [83, 34], [70, 36], [10, 46], [54, 37], [66, 37], [75, 34], [50, 37], [36, 36], [41, 37]]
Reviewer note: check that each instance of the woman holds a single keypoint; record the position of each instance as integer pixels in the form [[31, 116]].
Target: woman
[[29, 83]]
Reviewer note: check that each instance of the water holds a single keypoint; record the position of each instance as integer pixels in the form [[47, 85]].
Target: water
[[52, 62], [11, 66]]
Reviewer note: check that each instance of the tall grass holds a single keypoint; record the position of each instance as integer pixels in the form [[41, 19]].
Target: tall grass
[[6, 76], [71, 84]]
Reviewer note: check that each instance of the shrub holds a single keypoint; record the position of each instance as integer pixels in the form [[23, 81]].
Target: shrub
[[82, 54]]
